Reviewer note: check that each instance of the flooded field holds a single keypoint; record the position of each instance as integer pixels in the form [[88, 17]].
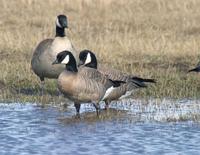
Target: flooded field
[[129, 127]]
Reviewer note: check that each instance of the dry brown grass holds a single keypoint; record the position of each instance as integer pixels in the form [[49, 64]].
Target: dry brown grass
[[150, 38]]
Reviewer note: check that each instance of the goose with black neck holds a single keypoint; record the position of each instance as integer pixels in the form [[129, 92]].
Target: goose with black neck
[[47, 50], [83, 84], [88, 58]]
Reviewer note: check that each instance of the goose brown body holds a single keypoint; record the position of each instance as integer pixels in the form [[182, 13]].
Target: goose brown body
[[83, 84], [79, 88], [92, 73], [113, 74], [88, 58]]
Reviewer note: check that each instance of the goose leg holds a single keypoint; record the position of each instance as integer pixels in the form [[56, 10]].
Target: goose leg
[[97, 107], [106, 105], [42, 86], [59, 93], [77, 106]]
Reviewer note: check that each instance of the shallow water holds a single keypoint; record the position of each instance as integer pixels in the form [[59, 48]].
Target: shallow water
[[137, 127]]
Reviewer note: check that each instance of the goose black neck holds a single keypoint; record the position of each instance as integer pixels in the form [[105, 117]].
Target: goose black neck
[[71, 66], [60, 32], [92, 65]]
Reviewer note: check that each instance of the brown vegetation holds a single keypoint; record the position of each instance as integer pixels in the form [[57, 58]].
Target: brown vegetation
[[149, 38]]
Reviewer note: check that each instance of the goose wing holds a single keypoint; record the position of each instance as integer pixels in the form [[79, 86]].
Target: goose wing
[[40, 49], [113, 74], [94, 74]]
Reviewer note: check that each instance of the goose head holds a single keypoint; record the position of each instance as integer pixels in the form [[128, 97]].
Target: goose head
[[87, 58], [66, 58], [61, 21]]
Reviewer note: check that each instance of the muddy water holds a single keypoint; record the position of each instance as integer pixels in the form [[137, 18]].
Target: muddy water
[[129, 127]]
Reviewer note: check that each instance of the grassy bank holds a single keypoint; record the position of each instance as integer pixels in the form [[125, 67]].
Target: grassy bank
[[149, 38]]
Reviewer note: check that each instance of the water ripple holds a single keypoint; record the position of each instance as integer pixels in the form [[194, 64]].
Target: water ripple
[[146, 127]]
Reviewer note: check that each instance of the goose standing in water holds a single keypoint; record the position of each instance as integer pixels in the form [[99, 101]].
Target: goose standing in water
[[88, 59], [84, 84]]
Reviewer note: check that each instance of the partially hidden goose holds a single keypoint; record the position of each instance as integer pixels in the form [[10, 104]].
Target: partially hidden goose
[[88, 58], [84, 84], [196, 69], [47, 50]]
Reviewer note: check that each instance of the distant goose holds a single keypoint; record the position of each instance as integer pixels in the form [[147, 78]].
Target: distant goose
[[88, 58], [47, 50], [196, 69], [84, 84]]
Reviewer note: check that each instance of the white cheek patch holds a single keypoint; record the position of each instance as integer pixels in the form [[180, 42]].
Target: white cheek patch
[[88, 59], [66, 60], [58, 23]]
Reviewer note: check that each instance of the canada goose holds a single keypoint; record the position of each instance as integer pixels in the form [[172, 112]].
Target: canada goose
[[83, 84], [88, 58], [46, 51]]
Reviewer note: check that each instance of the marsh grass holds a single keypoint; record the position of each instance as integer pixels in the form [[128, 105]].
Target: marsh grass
[[149, 38]]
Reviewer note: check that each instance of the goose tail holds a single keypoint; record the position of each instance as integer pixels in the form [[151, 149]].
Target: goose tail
[[197, 69], [143, 80]]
